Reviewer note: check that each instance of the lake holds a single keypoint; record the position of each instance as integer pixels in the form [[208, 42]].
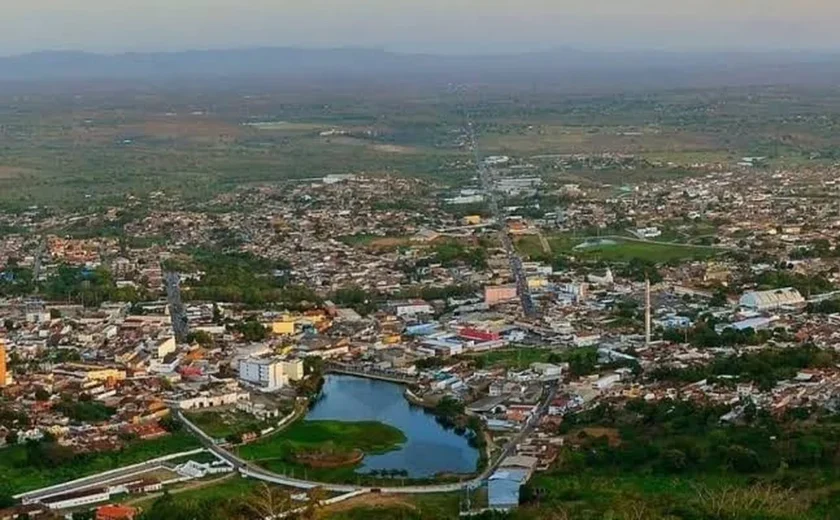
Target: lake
[[429, 448]]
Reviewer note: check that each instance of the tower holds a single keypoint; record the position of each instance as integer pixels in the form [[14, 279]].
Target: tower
[[180, 326], [647, 311]]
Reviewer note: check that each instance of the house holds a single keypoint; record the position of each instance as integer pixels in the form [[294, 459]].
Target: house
[[115, 512]]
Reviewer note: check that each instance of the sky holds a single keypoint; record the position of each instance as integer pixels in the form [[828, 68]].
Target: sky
[[451, 26]]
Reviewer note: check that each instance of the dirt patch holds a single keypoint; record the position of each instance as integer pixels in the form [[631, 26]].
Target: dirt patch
[[391, 148], [387, 242], [578, 437], [330, 460], [13, 172], [369, 500]]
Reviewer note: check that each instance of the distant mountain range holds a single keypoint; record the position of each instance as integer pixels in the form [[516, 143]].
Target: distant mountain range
[[565, 67]]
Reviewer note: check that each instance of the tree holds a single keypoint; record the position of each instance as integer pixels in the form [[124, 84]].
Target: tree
[[202, 337], [315, 499], [41, 394], [268, 501]]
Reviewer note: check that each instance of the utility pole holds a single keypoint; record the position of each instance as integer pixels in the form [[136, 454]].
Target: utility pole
[[647, 311]]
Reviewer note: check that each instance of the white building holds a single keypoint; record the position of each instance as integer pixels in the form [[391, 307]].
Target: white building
[[293, 369], [165, 347], [270, 373], [412, 308], [267, 373], [772, 299], [648, 232]]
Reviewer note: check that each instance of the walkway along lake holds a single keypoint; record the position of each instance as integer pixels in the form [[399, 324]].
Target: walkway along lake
[[430, 448]]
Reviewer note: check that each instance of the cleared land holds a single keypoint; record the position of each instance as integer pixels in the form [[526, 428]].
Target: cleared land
[[222, 423]]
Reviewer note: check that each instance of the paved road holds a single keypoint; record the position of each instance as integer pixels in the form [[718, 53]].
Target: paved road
[[486, 178], [250, 470]]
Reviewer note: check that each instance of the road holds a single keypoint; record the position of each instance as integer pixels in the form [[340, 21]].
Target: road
[[250, 470], [486, 178]]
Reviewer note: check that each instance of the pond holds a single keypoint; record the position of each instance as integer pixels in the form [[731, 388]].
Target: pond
[[429, 449]]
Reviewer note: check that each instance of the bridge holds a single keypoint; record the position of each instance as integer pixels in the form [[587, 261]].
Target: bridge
[[391, 376]]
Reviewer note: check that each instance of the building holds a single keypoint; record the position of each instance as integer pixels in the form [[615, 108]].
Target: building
[[266, 373], [87, 373], [166, 347], [772, 299], [494, 294], [503, 488], [293, 369], [283, 328], [207, 400], [504, 485], [412, 308], [3, 377]]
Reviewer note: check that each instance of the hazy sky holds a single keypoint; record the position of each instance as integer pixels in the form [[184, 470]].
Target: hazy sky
[[436, 25]]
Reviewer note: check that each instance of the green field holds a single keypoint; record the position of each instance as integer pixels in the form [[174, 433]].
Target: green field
[[514, 358], [24, 474], [615, 249]]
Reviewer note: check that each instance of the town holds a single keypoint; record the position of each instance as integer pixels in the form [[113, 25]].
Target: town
[[506, 311]]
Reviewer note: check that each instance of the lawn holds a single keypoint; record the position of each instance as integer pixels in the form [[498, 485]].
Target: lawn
[[615, 249], [514, 358], [22, 475]]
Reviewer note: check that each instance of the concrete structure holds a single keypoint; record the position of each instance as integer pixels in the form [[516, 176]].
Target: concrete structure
[[495, 294], [266, 373], [270, 373], [772, 299], [293, 369], [165, 347]]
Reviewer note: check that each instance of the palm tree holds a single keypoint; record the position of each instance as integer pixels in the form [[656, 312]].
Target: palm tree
[[316, 496]]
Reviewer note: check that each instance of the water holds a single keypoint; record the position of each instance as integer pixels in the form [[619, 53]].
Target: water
[[429, 448]]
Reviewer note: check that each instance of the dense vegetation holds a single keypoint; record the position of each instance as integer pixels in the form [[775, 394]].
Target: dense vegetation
[[765, 367], [652, 452]]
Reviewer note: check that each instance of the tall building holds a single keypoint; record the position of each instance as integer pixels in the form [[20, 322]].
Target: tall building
[[3, 377]]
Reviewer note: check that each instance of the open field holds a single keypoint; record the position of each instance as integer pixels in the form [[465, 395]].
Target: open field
[[376, 506], [615, 249], [220, 424], [94, 145], [514, 358]]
